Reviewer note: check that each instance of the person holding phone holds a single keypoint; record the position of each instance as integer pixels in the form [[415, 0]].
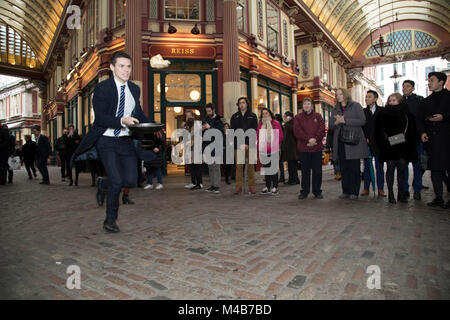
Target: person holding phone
[[434, 128]]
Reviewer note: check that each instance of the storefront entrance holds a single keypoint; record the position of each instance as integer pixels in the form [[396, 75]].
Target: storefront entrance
[[188, 86]]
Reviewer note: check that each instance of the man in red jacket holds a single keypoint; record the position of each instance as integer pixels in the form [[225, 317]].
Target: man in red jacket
[[309, 129]]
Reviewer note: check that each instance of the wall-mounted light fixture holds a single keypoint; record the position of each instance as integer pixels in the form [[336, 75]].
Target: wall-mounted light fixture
[[195, 30], [171, 29]]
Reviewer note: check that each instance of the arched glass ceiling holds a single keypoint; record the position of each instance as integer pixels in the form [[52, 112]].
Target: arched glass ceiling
[[350, 21], [35, 21]]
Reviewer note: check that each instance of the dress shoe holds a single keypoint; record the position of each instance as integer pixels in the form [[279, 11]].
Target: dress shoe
[[344, 196], [126, 199], [111, 227], [100, 196], [353, 197], [391, 197], [44, 182], [196, 187], [365, 192], [401, 198], [381, 193], [302, 196], [417, 196], [437, 202], [406, 194], [319, 196]]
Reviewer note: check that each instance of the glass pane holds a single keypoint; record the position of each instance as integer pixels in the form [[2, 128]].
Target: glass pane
[[194, 9], [171, 9], [182, 9], [274, 85], [274, 102], [158, 117], [285, 104], [157, 92], [262, 81], [240, 17], [209, 97], [183, 87], [262, 98], [243, 88], [272, 39], [272, 16]]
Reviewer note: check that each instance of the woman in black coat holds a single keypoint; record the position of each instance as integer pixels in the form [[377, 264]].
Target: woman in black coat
[[289, 151], [29, 156], [389, 122]]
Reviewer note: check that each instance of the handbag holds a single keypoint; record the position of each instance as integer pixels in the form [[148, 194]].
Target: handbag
[[398, 138], [349, 136], [14, 163]]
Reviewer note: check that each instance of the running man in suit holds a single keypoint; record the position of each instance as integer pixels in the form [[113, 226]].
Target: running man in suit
[[116, 106]]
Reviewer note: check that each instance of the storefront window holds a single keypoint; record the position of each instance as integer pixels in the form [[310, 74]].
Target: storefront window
[[209, 97], [243, 88], [241, 15], [119, 10], [262, 98], [182, 9], [285, 104], [274, 101], [272, 27], [183, 87]]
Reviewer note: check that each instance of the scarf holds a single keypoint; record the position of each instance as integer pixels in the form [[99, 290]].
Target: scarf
[[267, 138]]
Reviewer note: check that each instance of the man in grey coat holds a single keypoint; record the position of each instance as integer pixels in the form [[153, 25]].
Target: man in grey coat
[[348, 116]]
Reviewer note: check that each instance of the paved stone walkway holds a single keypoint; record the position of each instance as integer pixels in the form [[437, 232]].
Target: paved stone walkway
[[182, 244]]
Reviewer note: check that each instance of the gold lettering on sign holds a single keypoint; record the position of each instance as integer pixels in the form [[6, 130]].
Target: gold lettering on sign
[[185, 51]]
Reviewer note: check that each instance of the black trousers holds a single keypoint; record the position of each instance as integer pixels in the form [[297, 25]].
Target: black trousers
[[311, 162], [229, 171], [350, 171], [66, 170], [119, 159], [41, 164], [400, 165], [292, 169], [438, 177], [281, 165], [29, 165], [271, 179], [196, 174], [10, 175]]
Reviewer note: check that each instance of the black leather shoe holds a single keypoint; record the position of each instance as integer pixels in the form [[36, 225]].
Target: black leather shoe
[[391, 198], [126, 199], [100, 196], [110, 227], [435, 203], [406, 194], [196, 187], [302, 196], [319, 196], [417, 196], [44, 182], [425, 187]]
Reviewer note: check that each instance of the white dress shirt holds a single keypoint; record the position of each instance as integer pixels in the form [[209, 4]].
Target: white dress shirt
[[129, 107], [373, 109]]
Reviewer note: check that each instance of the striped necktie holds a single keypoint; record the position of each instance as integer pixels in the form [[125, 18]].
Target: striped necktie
[[121, 107]]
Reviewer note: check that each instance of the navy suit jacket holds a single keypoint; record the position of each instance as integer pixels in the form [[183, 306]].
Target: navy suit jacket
[[105, 102], [43, 148]]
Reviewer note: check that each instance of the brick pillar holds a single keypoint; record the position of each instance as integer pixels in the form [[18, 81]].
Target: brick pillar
[[133, 39], [231, 86]]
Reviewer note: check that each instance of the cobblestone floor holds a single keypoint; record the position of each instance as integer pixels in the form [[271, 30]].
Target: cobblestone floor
[[181, 244]]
